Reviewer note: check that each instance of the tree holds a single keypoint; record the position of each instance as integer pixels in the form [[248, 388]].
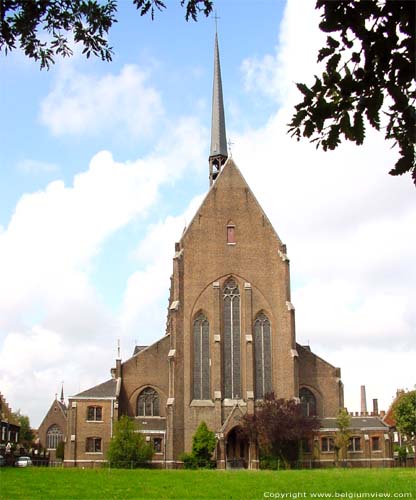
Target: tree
[[342, 436], [369, 71], [278, 426], [128, 447], [24, 24], [203, 446], [60, 450], [404, 412], [26, 434]]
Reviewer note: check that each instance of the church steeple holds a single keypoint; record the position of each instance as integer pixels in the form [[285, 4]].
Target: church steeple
[[218, 153]]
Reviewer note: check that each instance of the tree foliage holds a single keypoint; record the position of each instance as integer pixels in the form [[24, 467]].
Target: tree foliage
[[60, 450], [405, 415], [26, 434], [342, 435], [128, 447], [369, 73], [203, 446], [278, 426], [43, 29]]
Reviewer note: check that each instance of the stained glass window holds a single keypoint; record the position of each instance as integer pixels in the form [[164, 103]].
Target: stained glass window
[[54, 436], [231, 355], [308, 402], [148, 403], [262, 356], [201, 358]]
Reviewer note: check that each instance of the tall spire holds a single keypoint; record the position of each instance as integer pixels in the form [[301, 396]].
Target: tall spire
[[62, 393], [218, 153]]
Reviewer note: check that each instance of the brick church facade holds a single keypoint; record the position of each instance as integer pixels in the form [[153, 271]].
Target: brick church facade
[[230, 336]]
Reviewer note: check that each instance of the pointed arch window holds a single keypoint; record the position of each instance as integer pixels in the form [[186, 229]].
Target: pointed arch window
[[54, 436], [148, 403], [262, 356], [232, 342], [308, 402], [201, 358]]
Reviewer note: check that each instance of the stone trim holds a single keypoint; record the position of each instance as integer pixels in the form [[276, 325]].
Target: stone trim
[[174, 306], [201, 402]]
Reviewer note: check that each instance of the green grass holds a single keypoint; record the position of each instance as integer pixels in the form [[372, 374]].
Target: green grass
[[43, 483]]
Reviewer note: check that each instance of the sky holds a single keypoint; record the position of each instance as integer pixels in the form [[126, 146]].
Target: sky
[[102, 166]]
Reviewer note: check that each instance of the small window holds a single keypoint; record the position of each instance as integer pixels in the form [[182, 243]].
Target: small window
[[231, 234], [157, 445], [375, 443], [327, 444], [354, 444], [306, 445], [95, 413], [93, 445]]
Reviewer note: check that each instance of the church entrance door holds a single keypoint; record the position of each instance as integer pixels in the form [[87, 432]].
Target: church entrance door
[[237, 449]]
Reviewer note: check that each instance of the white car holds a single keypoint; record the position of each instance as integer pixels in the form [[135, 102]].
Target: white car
[[23, 462]]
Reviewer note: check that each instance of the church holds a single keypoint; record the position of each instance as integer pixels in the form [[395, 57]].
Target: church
[[230, 337]]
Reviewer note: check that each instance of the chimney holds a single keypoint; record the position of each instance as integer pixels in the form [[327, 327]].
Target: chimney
[[375, 406], [118, 368], [363, 400], [118, 361]]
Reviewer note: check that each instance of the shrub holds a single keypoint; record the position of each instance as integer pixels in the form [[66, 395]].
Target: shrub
[[128, 448]]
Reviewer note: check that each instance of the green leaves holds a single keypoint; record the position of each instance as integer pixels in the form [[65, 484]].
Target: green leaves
[[88, 21], [366, 60]]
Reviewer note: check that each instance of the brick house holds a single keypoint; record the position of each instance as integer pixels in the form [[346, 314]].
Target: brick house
[[230, 335], [9, 427]]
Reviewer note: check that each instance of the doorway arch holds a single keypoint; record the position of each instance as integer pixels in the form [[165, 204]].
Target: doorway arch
[[237, 449]]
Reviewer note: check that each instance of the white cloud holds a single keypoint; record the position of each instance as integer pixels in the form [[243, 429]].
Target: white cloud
[[349, 226], [145, 302], [294, 57], [52, 322], [82, 104]]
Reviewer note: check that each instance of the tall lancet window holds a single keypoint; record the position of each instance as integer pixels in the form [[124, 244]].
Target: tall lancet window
[[232, 372], [201, 358], [262, 356]]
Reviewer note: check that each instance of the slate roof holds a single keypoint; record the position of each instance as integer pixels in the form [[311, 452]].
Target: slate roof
[[138, 348], [218, 134], [356, 423], [105, 390], [63, 407]]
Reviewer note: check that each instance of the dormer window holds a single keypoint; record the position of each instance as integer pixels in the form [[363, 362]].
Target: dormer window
[[231, 234]]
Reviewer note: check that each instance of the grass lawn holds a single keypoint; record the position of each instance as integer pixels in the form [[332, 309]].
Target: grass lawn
[[43, 483]]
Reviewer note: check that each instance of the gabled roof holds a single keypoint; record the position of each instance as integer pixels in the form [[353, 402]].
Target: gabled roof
[[105, 390], [6, 414], [229, 168], [56, 403], [362, 423]]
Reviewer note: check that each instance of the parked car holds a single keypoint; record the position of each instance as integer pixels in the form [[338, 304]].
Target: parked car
[[23, 462], [2, 461]]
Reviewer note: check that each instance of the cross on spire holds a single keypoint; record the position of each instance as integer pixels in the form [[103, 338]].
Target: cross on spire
[[216, 18], [229, 148]]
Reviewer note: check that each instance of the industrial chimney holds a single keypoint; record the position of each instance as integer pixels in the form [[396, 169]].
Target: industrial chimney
[[375, 406], [363, 401]]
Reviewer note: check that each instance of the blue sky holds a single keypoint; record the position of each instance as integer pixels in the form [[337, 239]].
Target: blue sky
[[104, 164]]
